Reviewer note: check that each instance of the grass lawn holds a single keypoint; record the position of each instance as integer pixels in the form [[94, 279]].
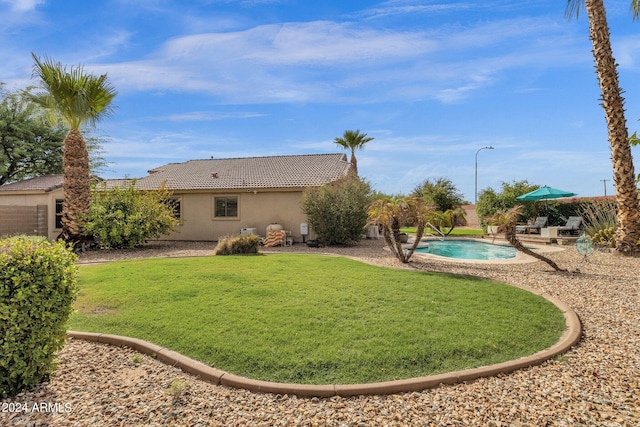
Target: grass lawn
[[314, 319]]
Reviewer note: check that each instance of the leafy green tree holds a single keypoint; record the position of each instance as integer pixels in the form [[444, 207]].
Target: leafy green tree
[[490, 201], [353, 140], [337, 212], [628, 212], [29, 146], [76, 98], [440, 192], [125, 217]]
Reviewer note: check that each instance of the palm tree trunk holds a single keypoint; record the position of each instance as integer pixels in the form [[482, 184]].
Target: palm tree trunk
[[354, 164], [628, 230], [513, 241], [77, 185]]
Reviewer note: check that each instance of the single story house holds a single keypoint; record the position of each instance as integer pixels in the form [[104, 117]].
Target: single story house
[[213, 197]]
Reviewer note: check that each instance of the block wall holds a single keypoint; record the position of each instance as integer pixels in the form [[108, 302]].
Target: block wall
[[29, 220]]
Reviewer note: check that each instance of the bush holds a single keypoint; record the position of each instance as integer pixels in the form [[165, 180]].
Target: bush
[[337, 212], [238, 245], [125, 217], [441, 193], [491, 202], [38, 284], [600, 221]]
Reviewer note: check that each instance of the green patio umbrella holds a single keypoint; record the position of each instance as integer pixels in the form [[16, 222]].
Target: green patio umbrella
[[545, 193]]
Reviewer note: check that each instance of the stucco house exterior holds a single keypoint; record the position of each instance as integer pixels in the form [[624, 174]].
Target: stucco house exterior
[[213, 197]]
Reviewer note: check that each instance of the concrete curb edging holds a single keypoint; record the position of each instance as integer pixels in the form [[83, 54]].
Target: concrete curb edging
[[569, 338]]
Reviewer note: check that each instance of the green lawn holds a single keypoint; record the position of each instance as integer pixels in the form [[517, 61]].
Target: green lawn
[[314, 319]]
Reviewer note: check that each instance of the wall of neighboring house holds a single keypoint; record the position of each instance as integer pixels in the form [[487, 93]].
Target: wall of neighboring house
[[256, 210], [29, 220], [31, 213]]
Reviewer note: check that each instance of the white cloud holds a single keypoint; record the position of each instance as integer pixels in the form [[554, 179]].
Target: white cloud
[[23, 5], [277, 63], [197, 116]]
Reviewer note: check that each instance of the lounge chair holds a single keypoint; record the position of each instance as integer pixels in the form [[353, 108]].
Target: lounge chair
[[572, 226], [539, 223]]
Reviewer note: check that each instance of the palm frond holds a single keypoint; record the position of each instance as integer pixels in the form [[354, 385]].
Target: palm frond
[[573, 8], [635, 9], [73, 95]]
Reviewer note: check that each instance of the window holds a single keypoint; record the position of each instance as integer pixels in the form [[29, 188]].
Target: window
[[59, 213], [225, 207], [175, 204]]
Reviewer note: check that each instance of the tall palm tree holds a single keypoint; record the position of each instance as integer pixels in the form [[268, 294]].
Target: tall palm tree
[[628, 230], [353, 140], [76, 98]]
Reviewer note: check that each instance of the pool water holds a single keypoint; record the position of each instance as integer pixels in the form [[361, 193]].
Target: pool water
[[468, 249]]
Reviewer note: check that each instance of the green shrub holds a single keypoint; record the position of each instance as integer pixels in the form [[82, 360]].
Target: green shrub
[[600, 221], [38, 284], [125, 217], [490, 201], [238, 245], [337, 212]]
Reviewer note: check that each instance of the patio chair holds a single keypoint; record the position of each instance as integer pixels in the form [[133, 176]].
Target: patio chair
[[539, 223], [572, 226]]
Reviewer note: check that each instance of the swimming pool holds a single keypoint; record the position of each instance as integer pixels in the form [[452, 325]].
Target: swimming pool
[[468, 249]]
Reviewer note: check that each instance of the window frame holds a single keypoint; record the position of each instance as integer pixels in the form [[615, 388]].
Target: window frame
[[57, 220], [227, 198], [171, 203]]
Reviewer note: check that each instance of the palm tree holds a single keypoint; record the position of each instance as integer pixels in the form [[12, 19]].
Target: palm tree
[[76, 98], [393, 214], [507, 219], [628, 230], [353, 140]]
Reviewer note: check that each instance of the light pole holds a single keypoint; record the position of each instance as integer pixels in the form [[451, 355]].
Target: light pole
[[488, 147]]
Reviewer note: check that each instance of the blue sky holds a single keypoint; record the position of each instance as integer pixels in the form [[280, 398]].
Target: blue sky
[[431, 81]]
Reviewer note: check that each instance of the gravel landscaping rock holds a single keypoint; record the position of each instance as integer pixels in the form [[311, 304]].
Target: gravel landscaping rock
[[597, 383]]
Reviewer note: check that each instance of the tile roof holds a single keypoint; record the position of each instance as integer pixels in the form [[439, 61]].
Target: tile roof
[[45, 184], [294, 171]]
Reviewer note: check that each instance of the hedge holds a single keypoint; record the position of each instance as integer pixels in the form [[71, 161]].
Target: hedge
[[38, 284]]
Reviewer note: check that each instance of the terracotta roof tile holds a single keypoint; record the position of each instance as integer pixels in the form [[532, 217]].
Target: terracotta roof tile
[[296, 171], [250, 172]]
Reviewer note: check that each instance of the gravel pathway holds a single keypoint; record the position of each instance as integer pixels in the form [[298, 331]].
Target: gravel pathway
[[595, 384]]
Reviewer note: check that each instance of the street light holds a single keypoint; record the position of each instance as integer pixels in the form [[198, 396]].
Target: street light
[[488, 147]]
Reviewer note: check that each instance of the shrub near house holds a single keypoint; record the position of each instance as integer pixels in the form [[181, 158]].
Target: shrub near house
[[125, 217], [38, 284], [337, 212]]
